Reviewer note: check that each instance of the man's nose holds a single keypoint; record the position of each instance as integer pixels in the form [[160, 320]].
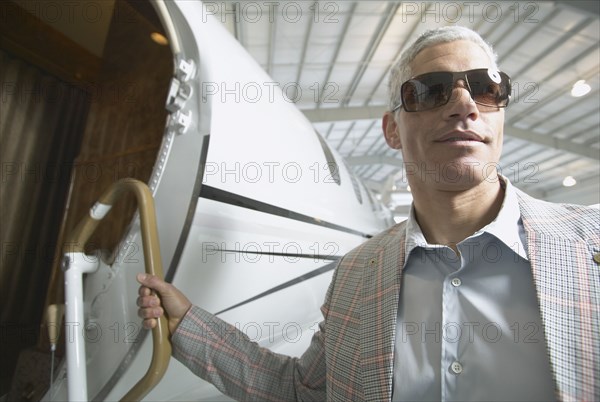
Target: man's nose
[[461, 103], [461, 92]]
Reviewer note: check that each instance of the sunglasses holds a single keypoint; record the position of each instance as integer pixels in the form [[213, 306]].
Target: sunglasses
[[428, 91]]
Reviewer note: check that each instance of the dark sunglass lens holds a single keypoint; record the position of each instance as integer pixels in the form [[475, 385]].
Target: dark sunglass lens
[[409, 96], [438, 95], [427, 91], [485, 89]]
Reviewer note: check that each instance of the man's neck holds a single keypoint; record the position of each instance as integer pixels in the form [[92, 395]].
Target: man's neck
[[448, 217]]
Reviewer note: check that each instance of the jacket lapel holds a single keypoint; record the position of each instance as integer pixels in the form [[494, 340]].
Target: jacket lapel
[[553, 318], [381, 289], [565, 296]]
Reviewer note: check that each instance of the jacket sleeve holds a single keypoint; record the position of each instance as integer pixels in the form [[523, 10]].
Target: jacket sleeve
[[224, 356]]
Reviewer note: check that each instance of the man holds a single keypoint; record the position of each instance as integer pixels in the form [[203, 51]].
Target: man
[[482, 294]]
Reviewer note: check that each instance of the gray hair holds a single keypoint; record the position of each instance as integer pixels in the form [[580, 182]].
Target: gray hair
[[401, 71]]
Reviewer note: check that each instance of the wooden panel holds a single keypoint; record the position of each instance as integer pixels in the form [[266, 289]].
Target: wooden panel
[[124, 128], [26, 36]]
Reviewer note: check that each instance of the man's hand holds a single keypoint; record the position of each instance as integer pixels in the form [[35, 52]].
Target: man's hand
[[172, 302]]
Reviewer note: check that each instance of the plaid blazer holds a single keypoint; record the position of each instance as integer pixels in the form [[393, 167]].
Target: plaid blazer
[[351, 357]]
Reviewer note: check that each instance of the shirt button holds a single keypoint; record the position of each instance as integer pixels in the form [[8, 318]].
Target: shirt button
[[456, 368], [456, 282]]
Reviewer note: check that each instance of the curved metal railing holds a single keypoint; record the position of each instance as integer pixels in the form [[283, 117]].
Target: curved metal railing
[[161, 352]]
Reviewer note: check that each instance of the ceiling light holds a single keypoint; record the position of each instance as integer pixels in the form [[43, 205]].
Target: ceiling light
[[569, 181], [408, 188], [580, 88], [159, 38]]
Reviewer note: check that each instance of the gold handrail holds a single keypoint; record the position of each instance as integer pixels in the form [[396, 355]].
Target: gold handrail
[[161, 350]]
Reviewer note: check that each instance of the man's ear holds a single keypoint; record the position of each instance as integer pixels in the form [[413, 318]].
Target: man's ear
[[390, 131]]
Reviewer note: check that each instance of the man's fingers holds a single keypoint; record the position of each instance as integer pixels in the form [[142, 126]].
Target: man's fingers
[[149, 323], [148, 301], [152, 282], [157, 298], [149, 304], [144, 291], [149, 312]]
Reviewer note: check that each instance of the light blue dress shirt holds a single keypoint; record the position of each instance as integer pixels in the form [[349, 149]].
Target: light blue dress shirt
[[469, 326]]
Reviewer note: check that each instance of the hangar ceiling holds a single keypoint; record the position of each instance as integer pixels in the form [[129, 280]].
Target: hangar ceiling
[[332, 59]]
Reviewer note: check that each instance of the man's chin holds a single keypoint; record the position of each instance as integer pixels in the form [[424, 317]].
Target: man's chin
[[463, 173]]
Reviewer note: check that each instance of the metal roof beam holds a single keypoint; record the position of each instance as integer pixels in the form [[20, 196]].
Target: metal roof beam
[[366, 132], [337, 50], [348, 131], [553, 142], [589, 7], [345, 113], [554, 46], [305, 47], [384, 24], [385, 74]]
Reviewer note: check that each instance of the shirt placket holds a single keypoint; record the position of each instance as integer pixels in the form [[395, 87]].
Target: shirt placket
[[452, 367]]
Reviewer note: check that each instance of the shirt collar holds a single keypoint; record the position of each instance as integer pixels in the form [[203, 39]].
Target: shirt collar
[[506, 227]]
